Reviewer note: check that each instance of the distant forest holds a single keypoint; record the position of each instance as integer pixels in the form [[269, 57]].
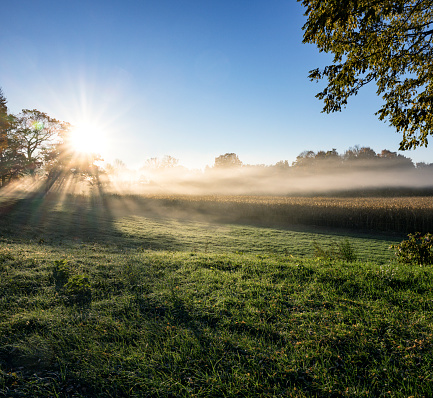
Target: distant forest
[[356, 157]]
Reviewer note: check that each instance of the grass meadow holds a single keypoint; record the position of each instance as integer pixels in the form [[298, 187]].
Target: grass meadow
[[104, 296]]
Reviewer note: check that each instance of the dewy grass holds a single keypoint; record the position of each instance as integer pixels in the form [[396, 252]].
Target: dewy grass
[[241, 318], [343, 250], [177, 324]]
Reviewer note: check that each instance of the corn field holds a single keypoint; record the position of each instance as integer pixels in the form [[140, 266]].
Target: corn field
[[399, 214]]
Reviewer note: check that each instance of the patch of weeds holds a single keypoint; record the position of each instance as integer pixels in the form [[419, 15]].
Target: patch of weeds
[[347, 251], [416, 249], [74, 289], [77, 290], [61, 273], [343, 250], [388, 272]]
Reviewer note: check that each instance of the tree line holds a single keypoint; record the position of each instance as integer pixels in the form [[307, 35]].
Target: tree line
[[36, 145], [353, 158], [359, 158]]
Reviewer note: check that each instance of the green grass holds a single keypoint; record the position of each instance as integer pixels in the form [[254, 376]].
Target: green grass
[[179, 309], [80, 219]]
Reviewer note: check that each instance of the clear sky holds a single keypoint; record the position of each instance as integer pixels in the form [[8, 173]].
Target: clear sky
[[193, 79]]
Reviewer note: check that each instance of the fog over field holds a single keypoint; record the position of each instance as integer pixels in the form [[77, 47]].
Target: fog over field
[[235, 181], [264, 181]]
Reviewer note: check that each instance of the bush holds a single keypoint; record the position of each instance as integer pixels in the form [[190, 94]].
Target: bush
[[338, 251], [417, 249]]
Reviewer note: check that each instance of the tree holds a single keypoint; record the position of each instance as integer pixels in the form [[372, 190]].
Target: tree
[[227, 160], [4, 126], [36, 132], [3, 112], [356, 153], [11, 160], [167, 162], [282, 165], [382, 41], [305, 159], [117, 167], [366, 153], [423, 165], [392, 159]]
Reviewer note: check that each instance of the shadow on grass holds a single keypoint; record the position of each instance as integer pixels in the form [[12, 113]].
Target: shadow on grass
[[57, 218], [53, 217], [305, 218]]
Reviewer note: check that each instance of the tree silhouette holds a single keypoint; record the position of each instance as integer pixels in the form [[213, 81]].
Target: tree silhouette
[[11, 159], [227, 160], [167, 162], [36, 133], [3, 136]]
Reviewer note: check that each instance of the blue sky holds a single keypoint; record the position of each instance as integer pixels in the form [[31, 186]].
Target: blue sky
[[187, 78]]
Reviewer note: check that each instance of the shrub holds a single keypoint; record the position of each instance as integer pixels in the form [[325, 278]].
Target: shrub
[[339, 250], [346, 251], [416, 249]]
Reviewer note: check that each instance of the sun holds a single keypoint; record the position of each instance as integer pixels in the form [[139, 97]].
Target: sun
[[87, 138]]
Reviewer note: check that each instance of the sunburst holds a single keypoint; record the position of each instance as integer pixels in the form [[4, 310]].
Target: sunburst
[[87, 138]]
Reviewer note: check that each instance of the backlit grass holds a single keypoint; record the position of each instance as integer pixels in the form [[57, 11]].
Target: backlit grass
[[181, 309]]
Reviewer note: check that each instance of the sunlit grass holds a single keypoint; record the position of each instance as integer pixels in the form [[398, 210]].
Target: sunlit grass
[[186, 308], [182, 323]]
